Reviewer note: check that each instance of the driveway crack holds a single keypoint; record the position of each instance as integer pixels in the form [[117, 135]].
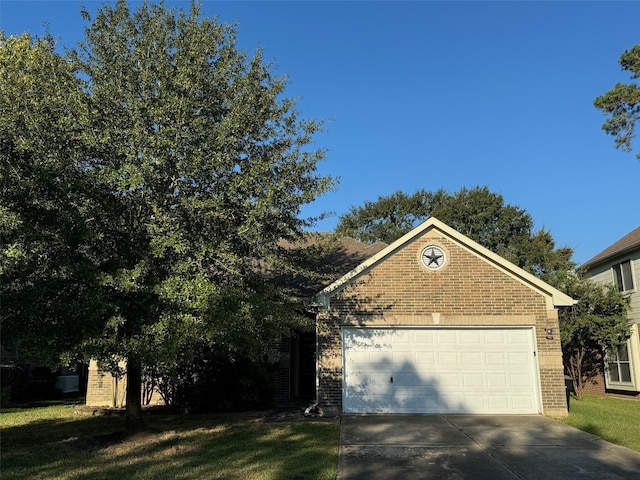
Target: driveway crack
[[484, 449]]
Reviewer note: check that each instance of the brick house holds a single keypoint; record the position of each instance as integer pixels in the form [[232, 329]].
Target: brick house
[[436, 323], [619, 264], [432, 323]]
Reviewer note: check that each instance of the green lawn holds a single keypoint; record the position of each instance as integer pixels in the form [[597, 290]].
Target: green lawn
[[68, 442], [613, 419]]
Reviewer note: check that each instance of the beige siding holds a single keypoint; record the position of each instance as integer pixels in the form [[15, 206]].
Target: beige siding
[[603, 275]]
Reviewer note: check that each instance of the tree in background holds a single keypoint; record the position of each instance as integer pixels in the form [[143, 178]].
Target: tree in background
[[477, 213], [596, 324], [622, 103], [161, 163]]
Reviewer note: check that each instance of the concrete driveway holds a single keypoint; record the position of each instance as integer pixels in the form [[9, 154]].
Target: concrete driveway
[[375, 447]]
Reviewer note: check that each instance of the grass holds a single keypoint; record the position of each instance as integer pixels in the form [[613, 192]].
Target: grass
[[613, 419], [69, 442]]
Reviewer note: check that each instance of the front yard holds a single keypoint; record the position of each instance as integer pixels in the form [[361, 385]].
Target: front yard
[[613, 419], [69, 442]]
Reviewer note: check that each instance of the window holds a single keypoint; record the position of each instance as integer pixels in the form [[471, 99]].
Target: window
[[622, 276], [618, 366]]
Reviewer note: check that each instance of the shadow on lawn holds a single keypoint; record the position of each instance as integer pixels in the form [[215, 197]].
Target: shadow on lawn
[[242, 446]]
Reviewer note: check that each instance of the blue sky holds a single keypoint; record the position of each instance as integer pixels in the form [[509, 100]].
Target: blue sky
[[444, 95]]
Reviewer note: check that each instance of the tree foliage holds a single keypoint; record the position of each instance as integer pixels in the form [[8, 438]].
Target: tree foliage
[[160, 163], [49, 261], [622, 103], [477, 213], [597, 323]]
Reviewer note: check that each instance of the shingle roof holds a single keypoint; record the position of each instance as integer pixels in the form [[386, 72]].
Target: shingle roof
[[629, 241], [326, 255]]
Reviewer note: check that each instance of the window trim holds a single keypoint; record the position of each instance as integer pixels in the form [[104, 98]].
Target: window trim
[[621, 276], [619, 385]]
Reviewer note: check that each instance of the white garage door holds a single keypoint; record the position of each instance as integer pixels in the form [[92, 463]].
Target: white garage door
[[439, 370]]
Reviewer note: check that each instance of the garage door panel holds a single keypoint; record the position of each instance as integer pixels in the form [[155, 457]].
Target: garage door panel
[[424, 337], [473, 379], [358, 357], [493, 337], [518, 337], [357, 377], [492, 358], [518, 358], [497, 380], [446, 336], [470, 336], [474, 403], [476, 370], [379, 379], [521, 380], [372, 389], [403, 359], [407, 379], [522, 402], [380, 359], [497, 403], [474, 358], [425, 358], [448, 380], [447, 358]]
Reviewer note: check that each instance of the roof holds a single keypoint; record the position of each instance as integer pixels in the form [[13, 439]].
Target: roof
[[558, 299], [327, 256], [630, 241]]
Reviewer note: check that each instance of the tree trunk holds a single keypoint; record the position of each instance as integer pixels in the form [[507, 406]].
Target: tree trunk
[[133, 419], [576, 373]]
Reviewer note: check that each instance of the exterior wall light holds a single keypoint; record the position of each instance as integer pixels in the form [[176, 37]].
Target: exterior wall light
[[549, 331]]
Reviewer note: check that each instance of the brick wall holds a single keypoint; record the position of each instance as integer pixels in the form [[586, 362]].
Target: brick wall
[[468, 291], [279, 358], [105, 390], [595, 385]]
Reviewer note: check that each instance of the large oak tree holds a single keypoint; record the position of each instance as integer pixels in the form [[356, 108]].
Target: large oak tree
[[144, 174]]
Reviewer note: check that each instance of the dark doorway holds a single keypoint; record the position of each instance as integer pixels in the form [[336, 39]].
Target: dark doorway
[[303, 365]]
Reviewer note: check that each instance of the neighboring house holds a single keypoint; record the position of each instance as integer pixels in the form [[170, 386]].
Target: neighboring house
[[619, 264], [436, 323]]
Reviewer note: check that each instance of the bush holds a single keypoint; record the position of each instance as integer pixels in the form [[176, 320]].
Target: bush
[[218, 384], [14, 383]]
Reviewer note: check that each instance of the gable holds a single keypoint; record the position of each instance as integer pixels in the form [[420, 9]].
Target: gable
[[395, 275]]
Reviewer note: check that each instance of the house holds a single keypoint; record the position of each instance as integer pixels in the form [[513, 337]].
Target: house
[[432, 323], [619, 264], [436, 323]]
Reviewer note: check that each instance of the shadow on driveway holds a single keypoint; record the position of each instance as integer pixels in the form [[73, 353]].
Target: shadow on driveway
[[375, 447]]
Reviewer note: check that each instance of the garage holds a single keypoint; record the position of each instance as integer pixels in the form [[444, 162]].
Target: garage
[[440, 370], [436, 323]]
